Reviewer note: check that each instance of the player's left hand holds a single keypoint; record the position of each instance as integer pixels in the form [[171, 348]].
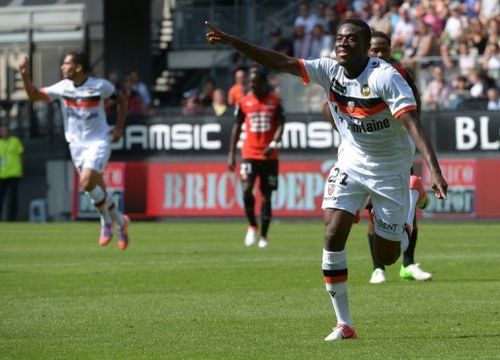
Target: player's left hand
[[116, 134], [268, 151], [439, 185]]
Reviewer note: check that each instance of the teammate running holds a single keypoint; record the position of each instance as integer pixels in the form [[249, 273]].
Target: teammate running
[[86, 129]]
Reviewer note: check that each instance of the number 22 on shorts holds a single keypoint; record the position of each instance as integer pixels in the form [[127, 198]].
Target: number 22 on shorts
[[339, 177]]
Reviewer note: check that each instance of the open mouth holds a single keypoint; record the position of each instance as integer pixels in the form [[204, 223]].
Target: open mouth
[[342, 53]]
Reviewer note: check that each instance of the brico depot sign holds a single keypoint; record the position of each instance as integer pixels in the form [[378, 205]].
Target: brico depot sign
[[209, 189], [472, 189]]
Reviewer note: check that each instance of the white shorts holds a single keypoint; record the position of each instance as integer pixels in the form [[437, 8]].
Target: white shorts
[[92, 156], [348, 190]]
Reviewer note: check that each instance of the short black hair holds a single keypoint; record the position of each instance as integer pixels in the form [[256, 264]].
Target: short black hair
[[80, 58], [383, 35], [366, 32], [259, 72]]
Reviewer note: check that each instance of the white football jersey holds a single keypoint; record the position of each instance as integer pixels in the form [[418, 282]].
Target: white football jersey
[[365, 110], [83, 109]]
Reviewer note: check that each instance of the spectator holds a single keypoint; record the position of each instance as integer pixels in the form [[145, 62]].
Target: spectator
[[280, 43], [393, 14], [322, 15], [476, 36], [477, 80], [493, 99], [135, 105], [206, 97], [466, 60], [139, 86], [489, 9], [219, 105], [436, 93], [452, 34], [321, 44], [333, 20], [460, 92], [191, 104], [301, 43], [472, 8], [238, 89], [305, 19], [491, 61], [341, 8], [11, 170], [379, 20], [404, 29], [424, 44], [431, 18]]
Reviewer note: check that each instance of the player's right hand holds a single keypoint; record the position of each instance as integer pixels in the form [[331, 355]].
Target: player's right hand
[[231, 163], [439, 185], [215, 36], [24, 66]]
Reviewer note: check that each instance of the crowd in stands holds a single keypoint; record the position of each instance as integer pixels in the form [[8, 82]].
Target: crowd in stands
[[136, 91], [451, 46]]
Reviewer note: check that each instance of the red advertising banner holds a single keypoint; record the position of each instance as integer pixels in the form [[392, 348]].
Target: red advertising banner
[[114, 178], [209, 189], [461, 176]]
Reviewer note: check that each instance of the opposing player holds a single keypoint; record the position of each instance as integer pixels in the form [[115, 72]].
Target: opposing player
[[375, 113], [87, 132], [262, 114], [380, 46]]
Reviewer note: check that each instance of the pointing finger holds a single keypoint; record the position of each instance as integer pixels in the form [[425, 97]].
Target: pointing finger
[[210, 26]]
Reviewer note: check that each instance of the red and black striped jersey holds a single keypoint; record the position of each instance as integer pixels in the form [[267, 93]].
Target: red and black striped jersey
[[261, 118]]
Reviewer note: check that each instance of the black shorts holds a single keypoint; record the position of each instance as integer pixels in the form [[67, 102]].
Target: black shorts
[[265, 170]]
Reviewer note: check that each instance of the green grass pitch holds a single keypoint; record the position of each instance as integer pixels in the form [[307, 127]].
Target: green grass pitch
[[192, 290]]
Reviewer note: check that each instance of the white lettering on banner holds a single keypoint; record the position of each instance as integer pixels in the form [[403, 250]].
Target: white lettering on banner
[[184, 136], [485, 140], [294, 135], [166, 137], [201, 191], [136, 135], [315, 135], [457, 173], [467, 138], [159, 137], [298, 191], [458, 200], [173, 191]]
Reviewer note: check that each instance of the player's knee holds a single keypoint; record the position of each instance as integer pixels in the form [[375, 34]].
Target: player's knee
[[387, 258], [86, 184], [248, 194], [386, 251]]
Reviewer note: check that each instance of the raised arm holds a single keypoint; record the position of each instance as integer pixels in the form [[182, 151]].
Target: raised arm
[[266, 57], [33, 93], [416, 131]]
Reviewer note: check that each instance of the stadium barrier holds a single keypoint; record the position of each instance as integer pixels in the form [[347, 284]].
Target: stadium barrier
[[177, 167]]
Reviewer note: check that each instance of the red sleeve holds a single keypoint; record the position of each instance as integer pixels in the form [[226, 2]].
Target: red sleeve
[[305, 76]]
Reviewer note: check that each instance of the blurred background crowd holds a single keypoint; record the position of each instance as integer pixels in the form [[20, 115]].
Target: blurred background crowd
[[451, 47]]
